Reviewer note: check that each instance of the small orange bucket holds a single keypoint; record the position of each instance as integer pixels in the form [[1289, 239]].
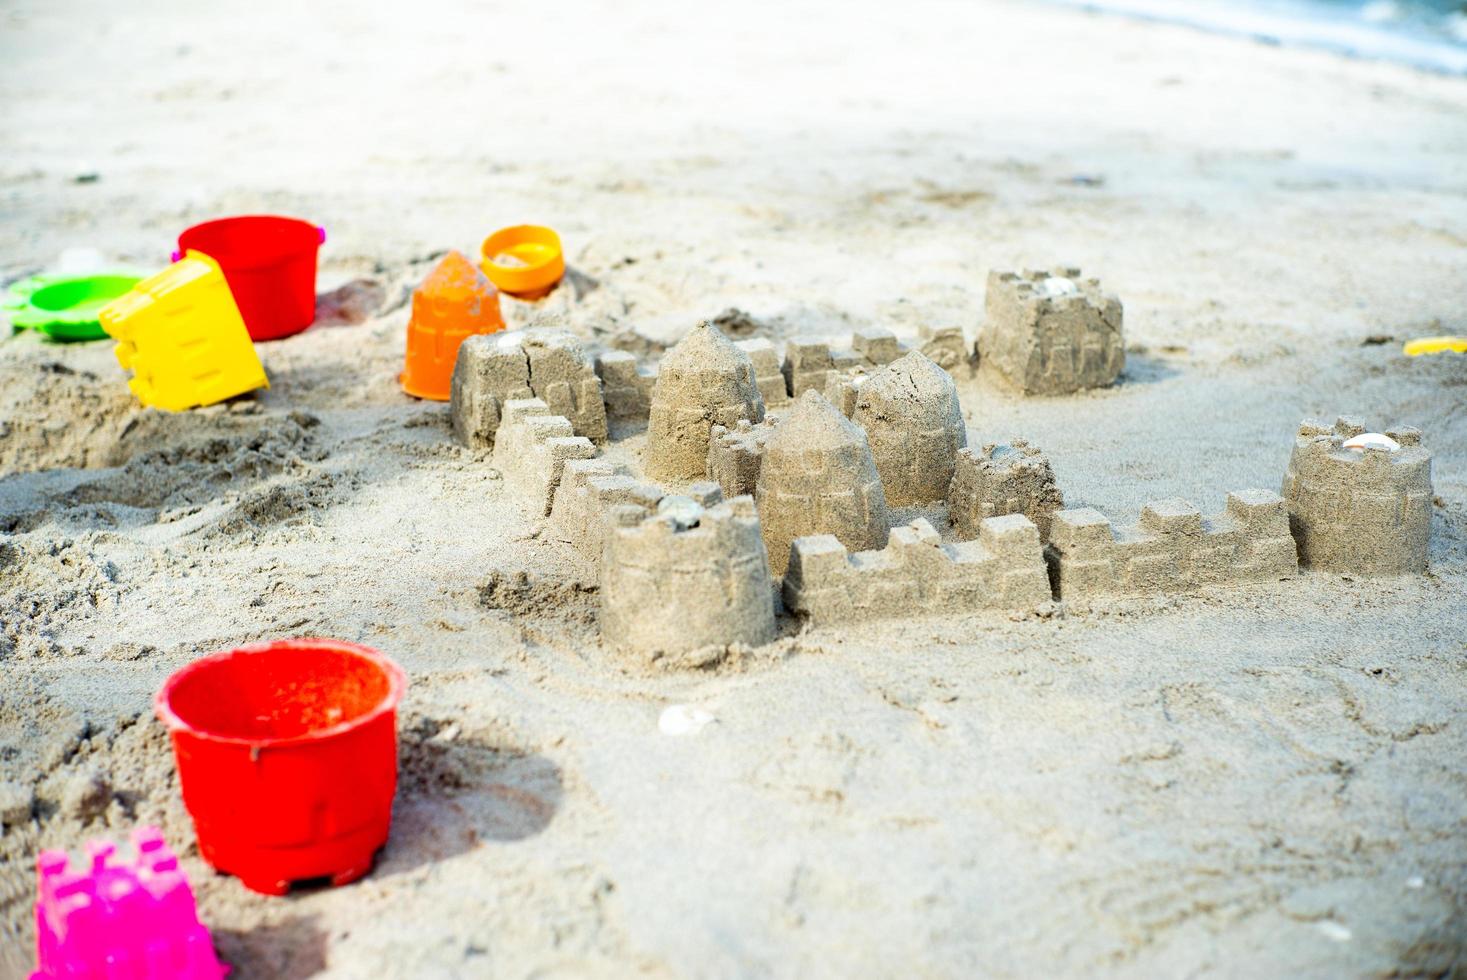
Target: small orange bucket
[[524, 261]]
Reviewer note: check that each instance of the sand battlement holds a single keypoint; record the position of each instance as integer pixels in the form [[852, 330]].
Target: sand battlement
[[625, 385], [1319, 453], [532, 448], [589, 490], [768, 372], [1050, 332], [1366, 512], [736, 455], [811, 364], [1038, 290], [539, 362], [668, 586], [999, 479], [1172, 548], [916, 574]]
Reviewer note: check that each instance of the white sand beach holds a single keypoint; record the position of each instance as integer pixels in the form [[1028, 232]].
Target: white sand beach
[[1261, 780]]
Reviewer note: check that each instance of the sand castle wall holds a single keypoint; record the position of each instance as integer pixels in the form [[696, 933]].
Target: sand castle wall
[[537, 363], [768, 373], [1051, 332], [625, 385], [669, 588], [1367, 513], [916, 574], [589, 490], [1002, 479], [736, 455], [1173, 548], [531, 449], [810, 364]]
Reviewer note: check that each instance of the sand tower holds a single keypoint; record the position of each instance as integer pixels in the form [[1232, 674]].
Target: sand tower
[[702, 382], [1365, 511], [818, 477], [541, 362], [911, 415], [1051, 332], [1002, 479], [679, 582]]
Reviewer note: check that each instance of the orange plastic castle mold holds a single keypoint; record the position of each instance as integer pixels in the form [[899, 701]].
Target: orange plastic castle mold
[[454, 302]]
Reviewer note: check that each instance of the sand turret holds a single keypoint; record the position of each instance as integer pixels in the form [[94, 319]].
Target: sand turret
[[541, 362], [702, 382], [912, 419], [1365, 511], [818, 477], [1051, 332], [1002, 479], [675, 583]]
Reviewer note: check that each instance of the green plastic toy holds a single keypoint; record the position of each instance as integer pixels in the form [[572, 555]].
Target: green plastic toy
[[65, 307]]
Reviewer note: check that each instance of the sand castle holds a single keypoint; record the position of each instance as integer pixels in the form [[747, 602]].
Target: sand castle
[[808, 364], [532, 448], [702, 382], [538, 363], [1051, 332], [818, 477], [1366, 512], [916, 574], [915, 426], [1002, 479], [1173, 548], [672, 584]]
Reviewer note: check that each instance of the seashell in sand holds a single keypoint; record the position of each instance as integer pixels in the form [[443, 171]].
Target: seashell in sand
[[1371, 440], [1058, 286], [684, 719], [685, 512]]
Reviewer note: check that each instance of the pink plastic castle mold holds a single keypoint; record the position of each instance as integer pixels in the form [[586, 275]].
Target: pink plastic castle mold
[[118, 920]]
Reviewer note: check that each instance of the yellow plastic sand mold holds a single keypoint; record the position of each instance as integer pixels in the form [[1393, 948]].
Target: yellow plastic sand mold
[[181, 335], [1435, 345]]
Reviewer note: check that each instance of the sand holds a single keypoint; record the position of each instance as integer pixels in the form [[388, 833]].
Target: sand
[[1265, 780]]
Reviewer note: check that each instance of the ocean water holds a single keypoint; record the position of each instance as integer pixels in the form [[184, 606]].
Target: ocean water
[[1429, 34]]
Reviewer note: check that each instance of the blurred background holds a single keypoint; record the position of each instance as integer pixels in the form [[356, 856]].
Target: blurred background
[[1428, 33]]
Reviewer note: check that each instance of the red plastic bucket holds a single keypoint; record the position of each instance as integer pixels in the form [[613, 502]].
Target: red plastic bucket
[[287, 757], [270, 265]]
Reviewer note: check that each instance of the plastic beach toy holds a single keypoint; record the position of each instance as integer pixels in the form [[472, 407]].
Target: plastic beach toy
[[524, 260], [120, 920], [287, 757], [181, 336], [65, 307], [270, 263], [454, 302], [1435, 345]]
